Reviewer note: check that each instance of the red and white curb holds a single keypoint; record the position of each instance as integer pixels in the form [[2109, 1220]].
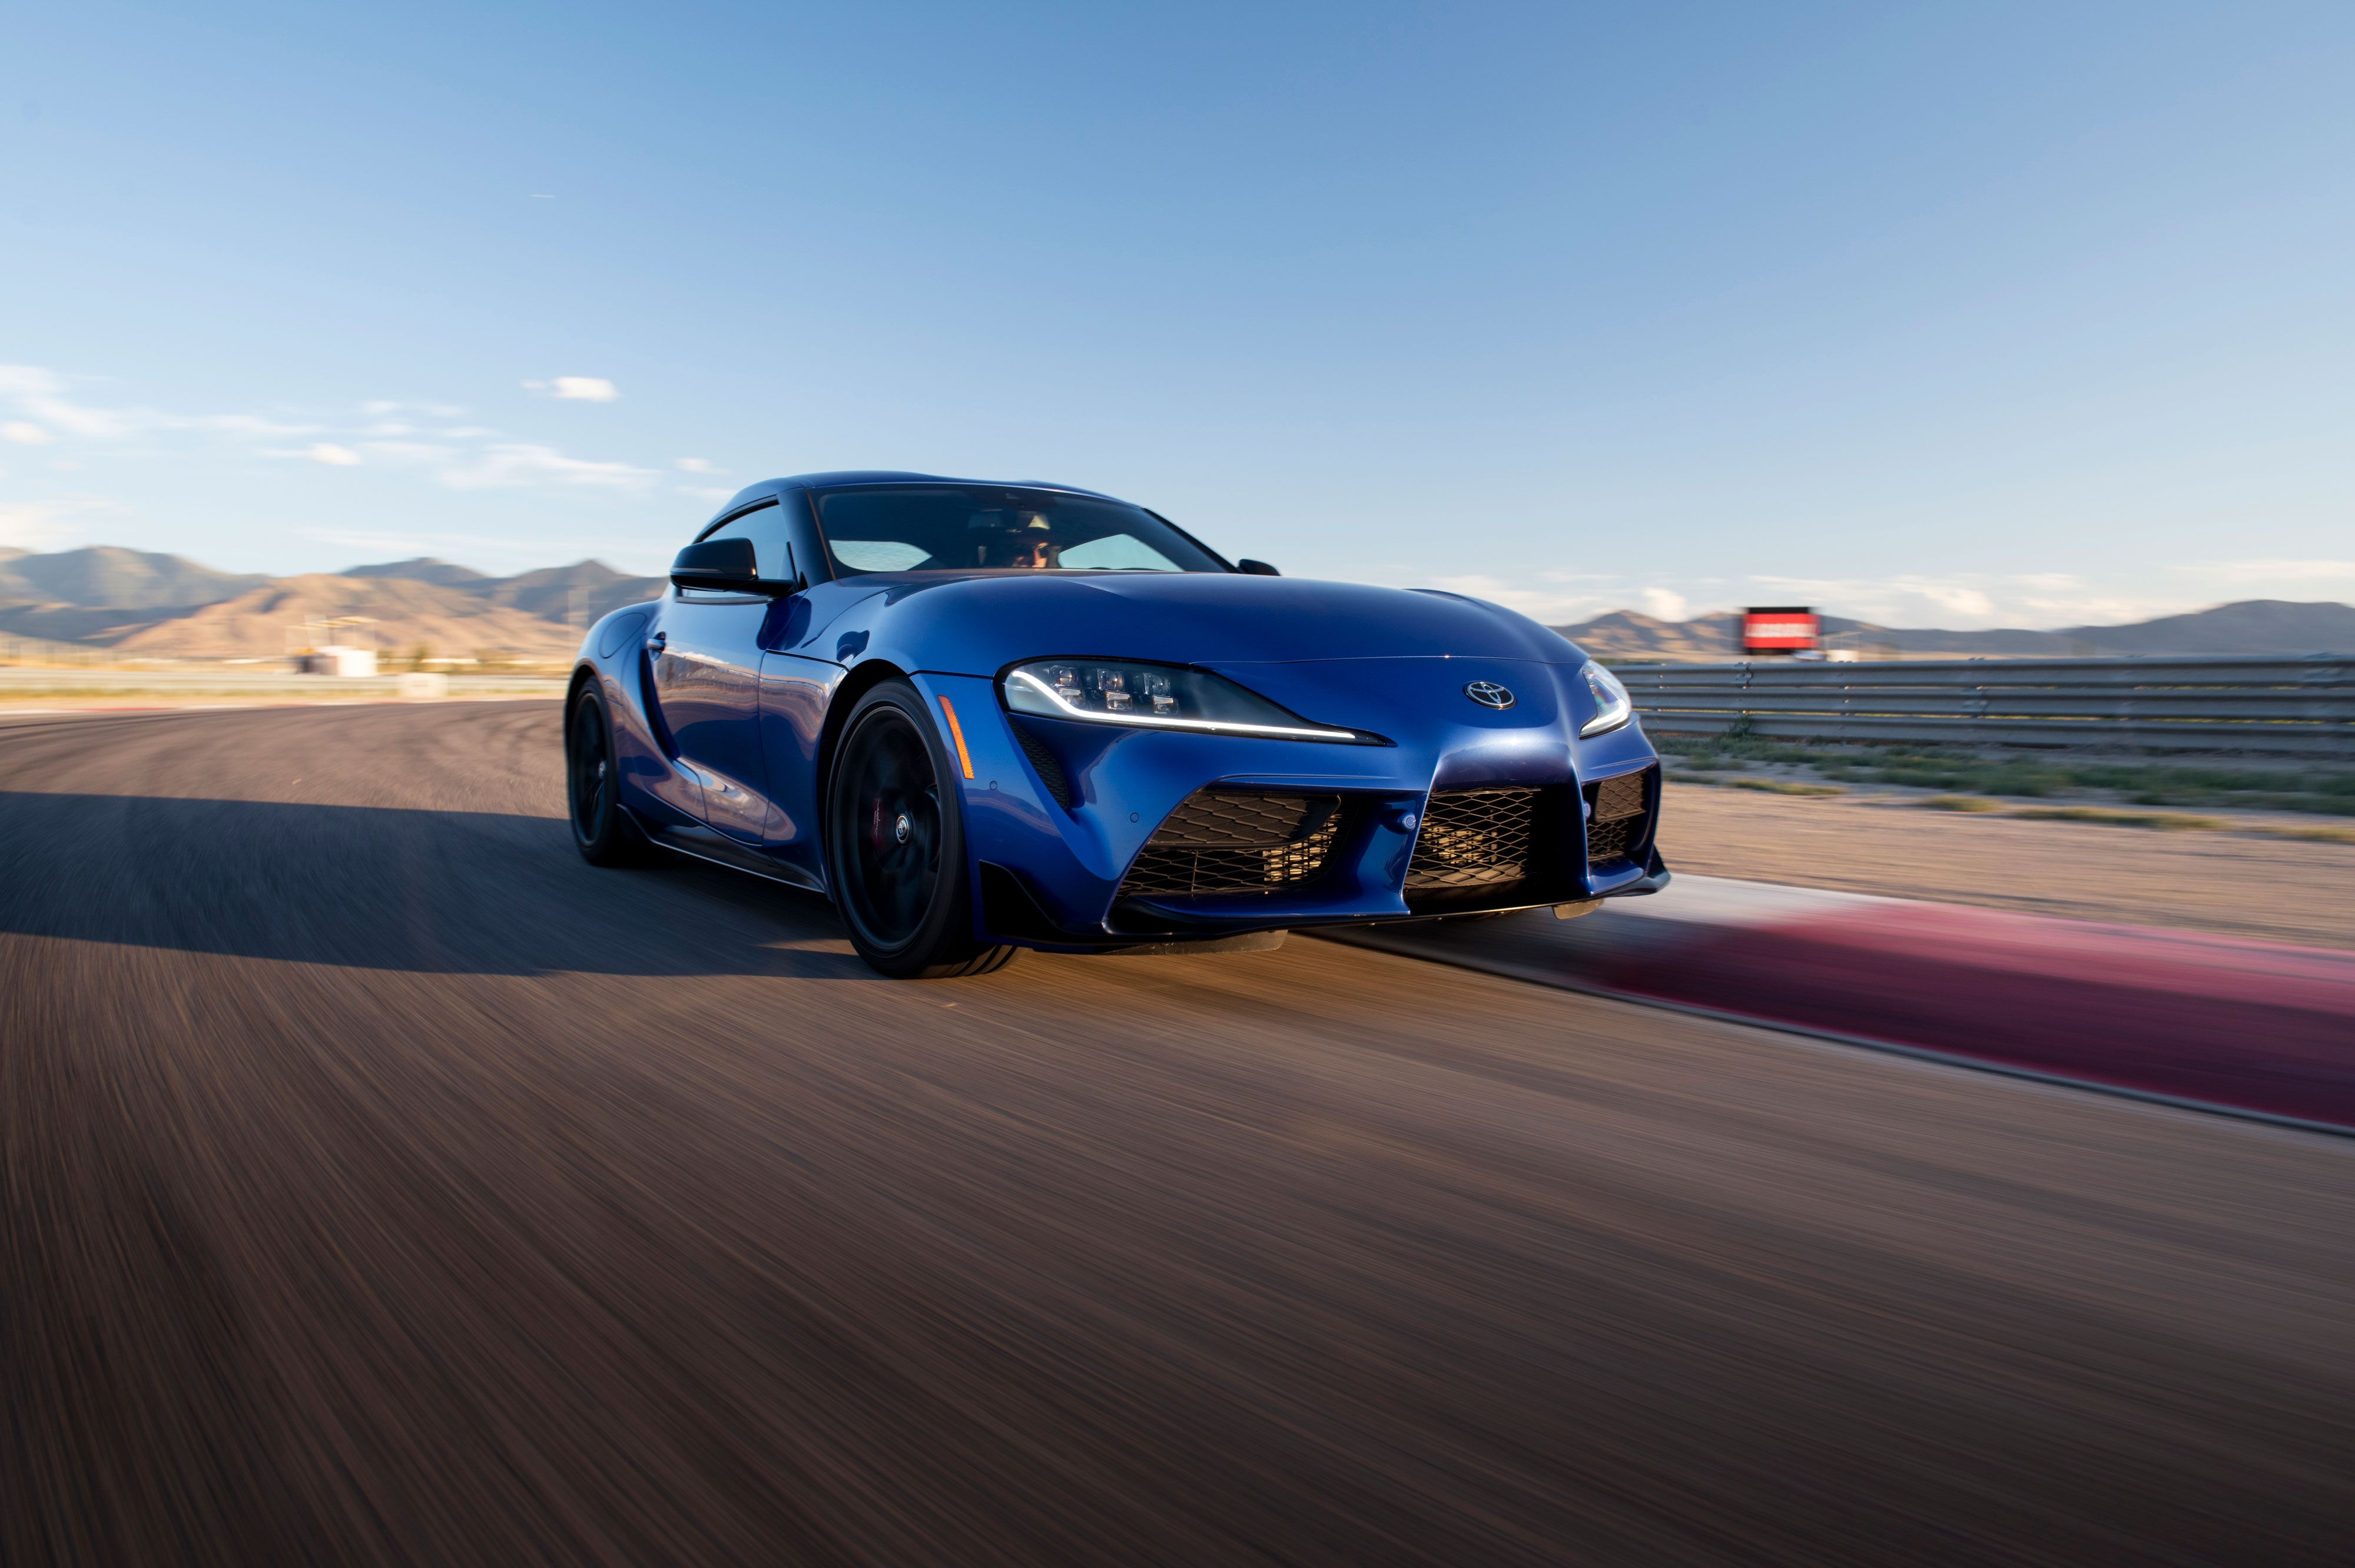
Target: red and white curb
[[2257, 1027]]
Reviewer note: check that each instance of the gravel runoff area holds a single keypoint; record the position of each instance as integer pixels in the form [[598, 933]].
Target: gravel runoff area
[[2278, 889]]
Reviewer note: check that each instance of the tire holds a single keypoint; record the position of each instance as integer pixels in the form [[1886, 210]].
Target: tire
[[602, 830], [895, 850]]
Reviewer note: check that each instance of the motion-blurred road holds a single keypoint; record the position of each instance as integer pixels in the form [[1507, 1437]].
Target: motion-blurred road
[[382, 1184]]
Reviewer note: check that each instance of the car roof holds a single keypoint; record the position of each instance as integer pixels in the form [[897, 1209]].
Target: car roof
[[835, 478]]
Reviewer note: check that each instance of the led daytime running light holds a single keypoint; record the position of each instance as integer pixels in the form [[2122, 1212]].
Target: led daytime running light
[[1612, 706], [1064, 709]]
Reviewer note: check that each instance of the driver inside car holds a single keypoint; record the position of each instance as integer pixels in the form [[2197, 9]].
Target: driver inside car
[[1031, 546]]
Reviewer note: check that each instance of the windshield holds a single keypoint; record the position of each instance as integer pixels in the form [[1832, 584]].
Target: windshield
[[966, 528]]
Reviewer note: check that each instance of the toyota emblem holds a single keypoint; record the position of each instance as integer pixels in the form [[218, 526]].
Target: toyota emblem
[[1488, 694]]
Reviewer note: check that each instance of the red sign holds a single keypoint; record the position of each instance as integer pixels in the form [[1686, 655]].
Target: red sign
[[1785, 630]]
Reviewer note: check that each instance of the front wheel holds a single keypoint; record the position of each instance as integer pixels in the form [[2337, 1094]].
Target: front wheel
[[602, 830], [895, 844]]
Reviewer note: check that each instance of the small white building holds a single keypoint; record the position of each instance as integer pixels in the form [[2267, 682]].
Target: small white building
[[334, 659]]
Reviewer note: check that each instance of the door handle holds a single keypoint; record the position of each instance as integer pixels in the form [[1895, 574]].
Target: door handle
[[658, 642]]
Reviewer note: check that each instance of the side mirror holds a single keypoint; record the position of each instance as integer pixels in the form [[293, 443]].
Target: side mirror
[[1256, 569], [730, 566]]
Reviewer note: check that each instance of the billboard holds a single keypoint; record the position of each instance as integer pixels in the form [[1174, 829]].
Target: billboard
[[1780, 629]]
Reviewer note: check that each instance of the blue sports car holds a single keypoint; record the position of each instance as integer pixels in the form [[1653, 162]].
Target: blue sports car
[[987, 716]]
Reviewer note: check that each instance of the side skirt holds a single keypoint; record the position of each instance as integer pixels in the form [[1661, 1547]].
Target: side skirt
[[703, 844]]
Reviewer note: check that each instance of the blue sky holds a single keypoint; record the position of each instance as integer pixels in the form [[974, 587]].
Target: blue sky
[[1951, 314]]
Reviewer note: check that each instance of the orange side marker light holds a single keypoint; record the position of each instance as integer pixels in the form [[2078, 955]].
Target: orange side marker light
[[956, 733]]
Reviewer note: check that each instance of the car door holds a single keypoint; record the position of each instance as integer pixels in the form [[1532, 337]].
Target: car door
[[706, 648]]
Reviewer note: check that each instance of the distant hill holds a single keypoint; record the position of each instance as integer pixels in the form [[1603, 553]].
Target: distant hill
[[104, 577], [579, 594], [397, 614], [422, 568], [2274, 626], [150, 605], [98, 626], [1631, 635], [582, 591], [2250, 627]]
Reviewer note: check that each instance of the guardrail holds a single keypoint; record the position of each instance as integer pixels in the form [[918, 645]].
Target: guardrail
[[2216, 704]]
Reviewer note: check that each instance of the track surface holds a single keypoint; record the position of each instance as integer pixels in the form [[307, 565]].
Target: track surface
[[381, 1184]]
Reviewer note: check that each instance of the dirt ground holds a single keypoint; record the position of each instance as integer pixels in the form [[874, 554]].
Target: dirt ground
[[2275, 889]]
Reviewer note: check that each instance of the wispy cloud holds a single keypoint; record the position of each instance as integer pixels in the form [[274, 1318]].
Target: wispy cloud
[[577, 389], [423, 437], [524, 463], [36, 525], [408, 543], [2272, 570], [698, 466], [29, 525], [1557, 598], [414, 454], [41, 393], [1964, 602], [385, 408], [1973, 602]]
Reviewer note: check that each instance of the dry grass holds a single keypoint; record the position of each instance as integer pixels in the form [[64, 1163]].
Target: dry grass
[[2311, 835], [1783, 786], [2112, 816], [2160, 821]]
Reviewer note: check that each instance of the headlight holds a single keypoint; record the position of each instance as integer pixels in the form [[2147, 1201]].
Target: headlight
[[1154, 696], [1612, 707]]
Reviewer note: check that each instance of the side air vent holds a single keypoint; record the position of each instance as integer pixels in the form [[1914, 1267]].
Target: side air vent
[[1619, 817], [1222, 842], [1049, 766]]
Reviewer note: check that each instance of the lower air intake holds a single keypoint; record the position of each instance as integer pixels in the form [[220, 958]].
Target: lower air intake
[[1223, 842], [1618, 817], [1474, 839]]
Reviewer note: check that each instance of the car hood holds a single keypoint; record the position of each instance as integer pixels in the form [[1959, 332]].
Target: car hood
[[977, 624]]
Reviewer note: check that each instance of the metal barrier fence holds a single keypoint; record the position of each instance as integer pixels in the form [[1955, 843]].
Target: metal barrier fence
[[2218, 704]]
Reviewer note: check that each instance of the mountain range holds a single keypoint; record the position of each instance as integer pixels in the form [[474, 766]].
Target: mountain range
[[139, 605], [142, 605], [2270, 626]]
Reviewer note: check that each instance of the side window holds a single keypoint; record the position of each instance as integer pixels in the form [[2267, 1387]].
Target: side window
[[765, 527]]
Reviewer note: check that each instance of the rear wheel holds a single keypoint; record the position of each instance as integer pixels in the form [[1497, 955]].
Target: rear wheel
[[895, 844], [602, 830]]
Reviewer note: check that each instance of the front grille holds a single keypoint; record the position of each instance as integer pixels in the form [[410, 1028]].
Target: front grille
[[1227, 842], [1474, 839], [1618, 814]]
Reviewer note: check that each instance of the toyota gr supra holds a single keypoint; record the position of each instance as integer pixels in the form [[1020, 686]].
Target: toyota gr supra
[[984, 717]]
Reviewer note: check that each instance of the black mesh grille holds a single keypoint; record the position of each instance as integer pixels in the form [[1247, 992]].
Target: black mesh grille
[[1234, 843], [1049, 766], [1619, 814], [1474, 839]]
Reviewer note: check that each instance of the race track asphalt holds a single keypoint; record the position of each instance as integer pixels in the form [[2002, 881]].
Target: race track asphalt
[[384, 1185]]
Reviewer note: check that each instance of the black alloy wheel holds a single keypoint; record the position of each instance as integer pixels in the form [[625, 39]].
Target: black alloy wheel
[[895, 844], [602, 830]]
